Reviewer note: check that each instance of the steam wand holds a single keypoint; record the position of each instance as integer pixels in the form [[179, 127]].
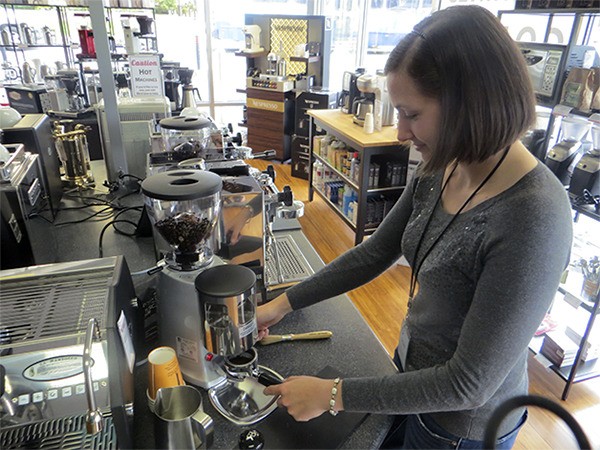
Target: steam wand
[[93, 418]]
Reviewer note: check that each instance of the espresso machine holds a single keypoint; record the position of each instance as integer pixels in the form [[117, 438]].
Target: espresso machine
[[86, 41], [252, 39], [586, 174], [71, 143], [206, 309], [562, 158]]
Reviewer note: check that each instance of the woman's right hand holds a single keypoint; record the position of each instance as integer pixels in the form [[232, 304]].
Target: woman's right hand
[[271, 313]]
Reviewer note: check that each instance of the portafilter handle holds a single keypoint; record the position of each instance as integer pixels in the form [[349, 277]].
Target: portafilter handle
[[94, 422]]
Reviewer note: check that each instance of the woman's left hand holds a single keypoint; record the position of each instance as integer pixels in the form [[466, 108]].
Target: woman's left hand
[[305, 397]]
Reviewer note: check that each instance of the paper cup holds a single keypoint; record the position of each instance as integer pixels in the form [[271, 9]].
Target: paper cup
[[163, 370]]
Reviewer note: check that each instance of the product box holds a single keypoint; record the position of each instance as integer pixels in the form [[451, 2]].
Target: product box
[[312, 99], [300, 157], [561, 350]]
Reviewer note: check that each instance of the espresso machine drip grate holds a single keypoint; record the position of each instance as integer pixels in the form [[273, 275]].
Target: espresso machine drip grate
[[64, 433], [285, 263]]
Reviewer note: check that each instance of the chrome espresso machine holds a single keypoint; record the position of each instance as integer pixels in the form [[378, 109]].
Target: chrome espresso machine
[[206, 308], [67, 333], [251, 203]]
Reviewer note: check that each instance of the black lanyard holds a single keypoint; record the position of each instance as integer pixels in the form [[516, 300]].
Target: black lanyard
[[415, 273]]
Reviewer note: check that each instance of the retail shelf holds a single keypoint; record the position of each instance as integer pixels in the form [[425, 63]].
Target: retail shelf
[[572, 289], [251, 55], [337, 172], [374, 147], [585, 369], [32, 46], [336, 208], [587, 210], [310, 59], [386, 189]]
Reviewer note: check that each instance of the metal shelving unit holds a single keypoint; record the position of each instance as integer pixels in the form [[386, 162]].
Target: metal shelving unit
[[582, 25]]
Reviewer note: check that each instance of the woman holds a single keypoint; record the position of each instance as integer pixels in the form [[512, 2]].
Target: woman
[[486, 229]]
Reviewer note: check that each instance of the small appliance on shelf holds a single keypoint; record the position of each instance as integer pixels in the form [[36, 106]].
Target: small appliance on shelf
[[563, 156]]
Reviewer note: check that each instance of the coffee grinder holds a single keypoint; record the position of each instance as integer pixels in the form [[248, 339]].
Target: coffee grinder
[[206, 310], [586, 175], [563, 156]]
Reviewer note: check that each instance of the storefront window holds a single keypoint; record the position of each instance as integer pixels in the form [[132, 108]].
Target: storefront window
[[369, 46], [388, 21], [184, 37], [347, 17]]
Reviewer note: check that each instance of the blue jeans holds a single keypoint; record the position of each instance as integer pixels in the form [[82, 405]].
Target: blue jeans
[[420, 431]]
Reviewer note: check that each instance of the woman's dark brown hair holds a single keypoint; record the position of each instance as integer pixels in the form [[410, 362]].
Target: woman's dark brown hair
[[464, 57]]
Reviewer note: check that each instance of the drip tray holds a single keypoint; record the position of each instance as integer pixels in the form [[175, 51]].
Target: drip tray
[[63, 433], [242, 401], [294, 266]]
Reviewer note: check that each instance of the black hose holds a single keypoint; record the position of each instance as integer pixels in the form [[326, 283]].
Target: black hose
[[491, 431]]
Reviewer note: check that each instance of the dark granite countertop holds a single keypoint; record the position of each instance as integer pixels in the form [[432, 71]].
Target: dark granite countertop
[[353, 350]]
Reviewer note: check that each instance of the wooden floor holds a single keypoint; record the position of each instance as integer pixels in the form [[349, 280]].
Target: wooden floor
[[383, 305]]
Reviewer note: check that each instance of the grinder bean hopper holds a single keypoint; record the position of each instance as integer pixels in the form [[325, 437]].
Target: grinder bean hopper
[[184, 206]]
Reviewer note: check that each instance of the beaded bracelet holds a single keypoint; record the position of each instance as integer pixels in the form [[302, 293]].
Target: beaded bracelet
[[334, 390]]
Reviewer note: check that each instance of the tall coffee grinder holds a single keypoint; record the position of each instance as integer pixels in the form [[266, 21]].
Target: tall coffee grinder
[[206, 310]]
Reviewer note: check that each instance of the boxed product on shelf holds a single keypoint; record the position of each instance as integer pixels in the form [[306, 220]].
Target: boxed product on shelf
[[561, 350], [394, 174], [593, 343], [300, 157], [374, 171]]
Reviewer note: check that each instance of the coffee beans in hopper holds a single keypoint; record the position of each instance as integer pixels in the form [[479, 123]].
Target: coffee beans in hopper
[[184, 231]]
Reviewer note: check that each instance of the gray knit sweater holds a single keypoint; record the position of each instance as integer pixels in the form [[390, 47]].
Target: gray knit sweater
[[483, 291]]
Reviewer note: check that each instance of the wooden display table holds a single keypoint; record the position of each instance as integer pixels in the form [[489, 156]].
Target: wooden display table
[[379, 147]]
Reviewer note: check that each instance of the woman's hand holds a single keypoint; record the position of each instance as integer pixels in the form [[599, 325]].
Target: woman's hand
[[270, 313], [306, 397]]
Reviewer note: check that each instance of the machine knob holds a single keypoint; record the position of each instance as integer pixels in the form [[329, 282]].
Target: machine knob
[[252, 440], [286, 197], [271, 172]]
